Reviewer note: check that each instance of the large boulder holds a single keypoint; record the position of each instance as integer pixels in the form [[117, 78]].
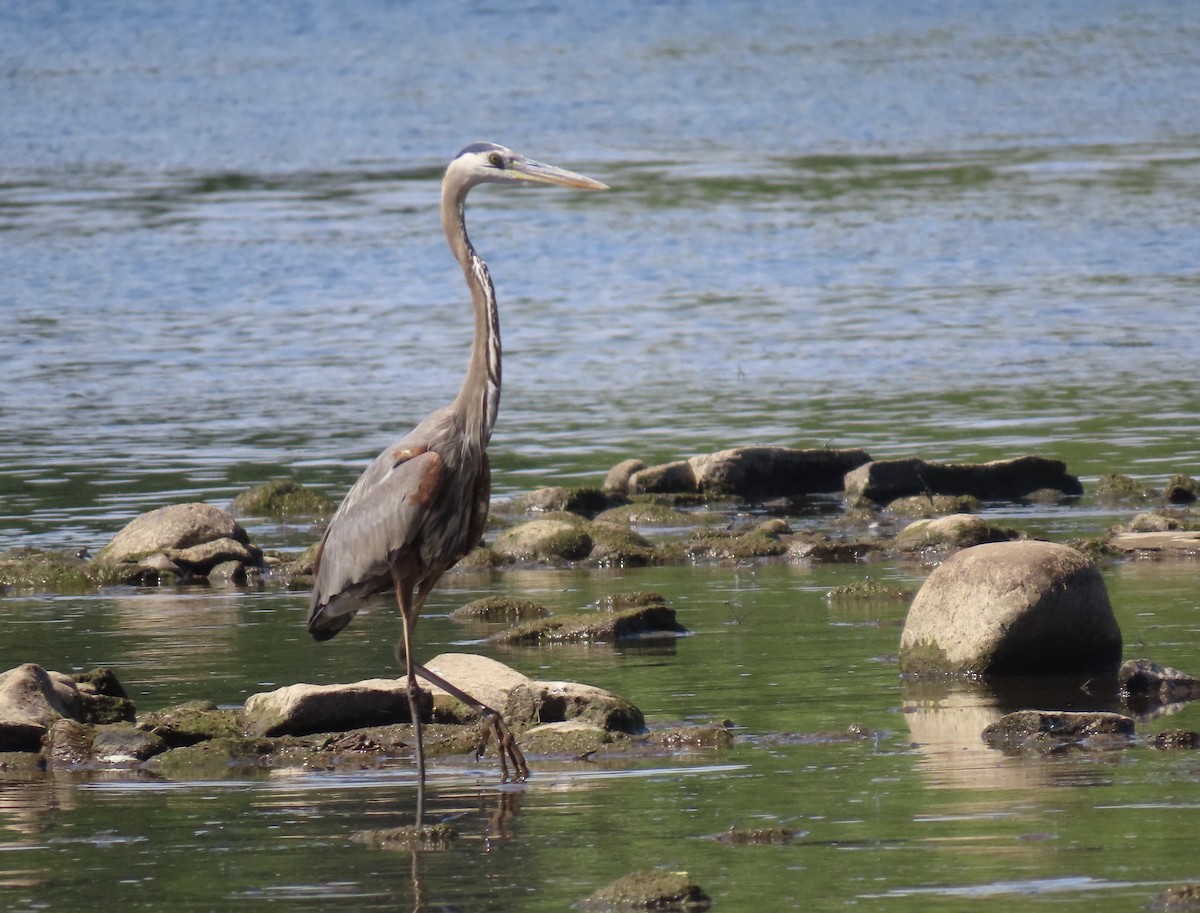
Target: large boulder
[[181, 539], [31, 701], [883, 481], [1008, 608]]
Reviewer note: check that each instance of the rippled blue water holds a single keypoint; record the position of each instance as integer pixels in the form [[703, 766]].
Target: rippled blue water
[[957, 230], [952, 230]]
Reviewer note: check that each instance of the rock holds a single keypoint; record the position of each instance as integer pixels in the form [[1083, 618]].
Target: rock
[[177, 526], [614, 545], [409, 838], [868, 591], [646, 513], [1162, 521], [1180, 899], [1175, 739], [122, 744], [1145, 684], [31, 701], [617, 480], [301, 709], [934, 505], [953, 532], [712, 544], [810, 546], [586, 502], [741, 836], [282, 499], [191, 723], [1181, 489], [638, 622], [1176, 544], [1112, 488], [523, 701], [573, 738], [1008, 608], [665, 478], [54, 572], [752, 473], [67, 743], [649, 890], [549, 539], [177, 539], [499, 609], [884, 481], [760, 473], [1043, 730]]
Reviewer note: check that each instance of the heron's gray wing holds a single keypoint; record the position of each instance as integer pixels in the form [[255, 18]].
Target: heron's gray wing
[[381, 515]]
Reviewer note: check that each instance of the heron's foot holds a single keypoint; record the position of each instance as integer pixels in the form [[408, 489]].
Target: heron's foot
[[507, 749]]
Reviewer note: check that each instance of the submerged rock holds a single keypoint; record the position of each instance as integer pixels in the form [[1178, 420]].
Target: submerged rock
[[1043, 730], [651, 889], [1145, 684], [409, 837], [1009, 608], [655, 619], [1183, 898], [282, 499], [499, 609], [884, 481], [52, 572]]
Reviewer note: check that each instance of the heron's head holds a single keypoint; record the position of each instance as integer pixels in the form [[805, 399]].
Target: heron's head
[[487, 163]]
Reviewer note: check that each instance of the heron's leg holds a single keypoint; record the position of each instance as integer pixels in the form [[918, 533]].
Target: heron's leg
[[493, 727], [408, 617]]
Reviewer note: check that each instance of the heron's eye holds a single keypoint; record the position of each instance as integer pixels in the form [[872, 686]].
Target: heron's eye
[[496, 160]]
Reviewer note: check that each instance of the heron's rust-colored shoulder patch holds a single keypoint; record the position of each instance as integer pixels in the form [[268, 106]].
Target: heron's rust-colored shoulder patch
[[431, 480], [404, 454]]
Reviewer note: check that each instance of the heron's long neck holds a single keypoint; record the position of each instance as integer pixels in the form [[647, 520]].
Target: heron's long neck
[[479, 398]]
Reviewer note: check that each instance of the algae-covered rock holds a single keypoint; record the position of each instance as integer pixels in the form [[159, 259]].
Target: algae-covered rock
[[616, 482], [652, 889], [931, 505], [586, 502], [499, 609], [50, 572], [743, 836], [408, 837], [1043, 730], [1145, 684], [646, 513], [714, 544], [549, 539], [1183, 898], [282, 499], [1114, 488], [1181, 489], [191, 722], [868, 591], [614, 545], [951, 532], [636, 622], [571, 738]]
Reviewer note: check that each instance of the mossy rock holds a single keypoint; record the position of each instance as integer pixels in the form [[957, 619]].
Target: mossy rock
[[1181, 489], [280, 500], [869, 591], [643, 512], [743, 836], [45, 572], [554, 538], [619, 601], [720, 545], [569, 738], [638, 621], [618, 546], [191, 723], [214, 758], [934, 505], [499, 609], [408, 838], [1114, 488], [586, 502], [653, 889]]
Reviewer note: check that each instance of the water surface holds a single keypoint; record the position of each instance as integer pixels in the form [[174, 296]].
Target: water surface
[[955, 231]]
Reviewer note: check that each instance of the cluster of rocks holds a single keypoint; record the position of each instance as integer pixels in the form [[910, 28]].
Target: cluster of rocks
[[683, 511], [87, 721]]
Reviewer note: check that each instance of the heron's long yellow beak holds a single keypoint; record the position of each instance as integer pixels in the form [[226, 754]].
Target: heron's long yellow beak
[[541, 173]]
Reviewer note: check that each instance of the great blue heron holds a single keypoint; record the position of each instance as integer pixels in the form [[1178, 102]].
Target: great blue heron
[[421, 505]]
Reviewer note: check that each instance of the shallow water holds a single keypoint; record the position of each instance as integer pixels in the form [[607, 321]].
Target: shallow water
[[958, 232]]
